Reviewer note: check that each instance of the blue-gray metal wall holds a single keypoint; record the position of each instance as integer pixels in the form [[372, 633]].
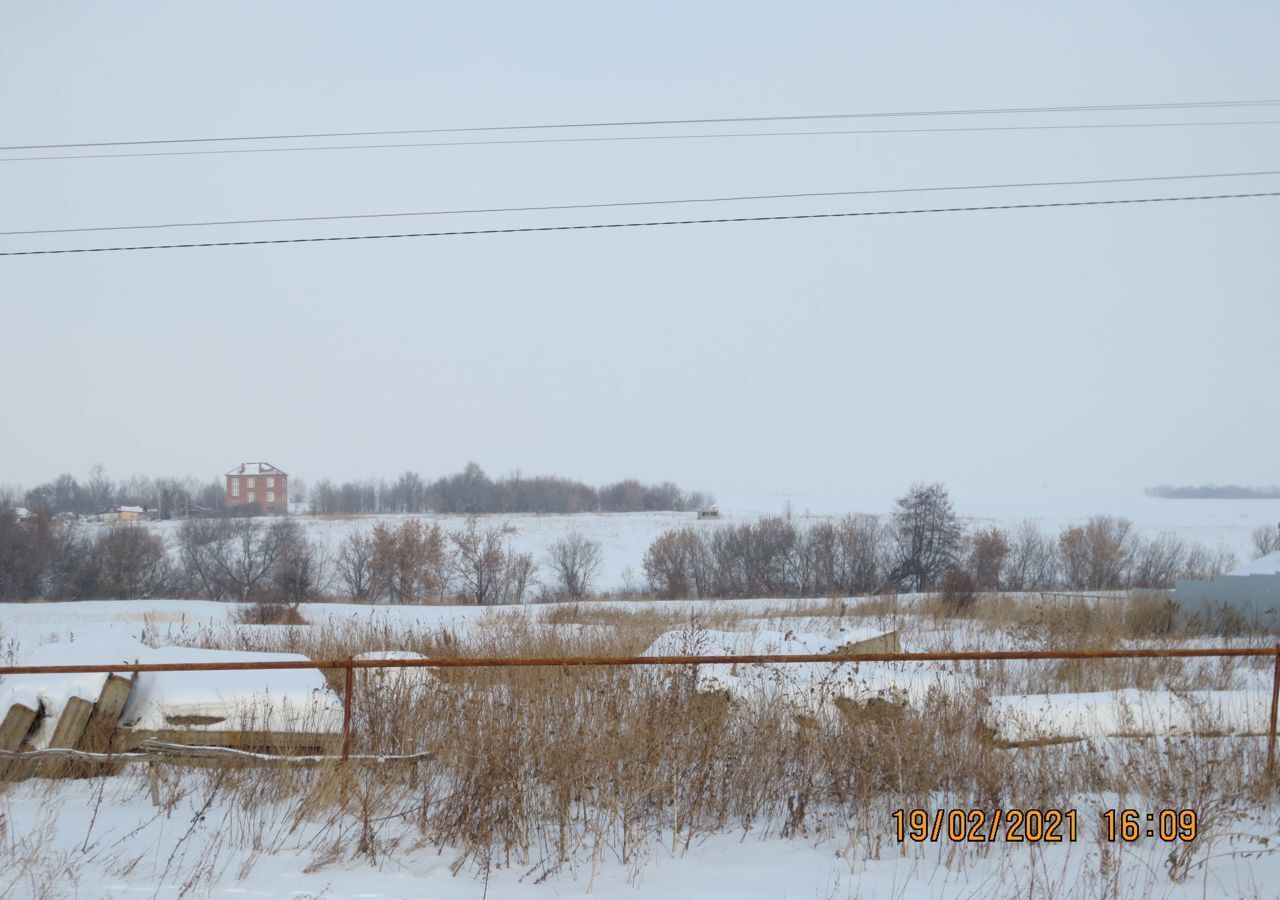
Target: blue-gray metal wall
[[1253, 595]]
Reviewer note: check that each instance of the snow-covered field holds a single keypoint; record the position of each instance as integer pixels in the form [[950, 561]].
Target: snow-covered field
[[105, 837], [109, 844]]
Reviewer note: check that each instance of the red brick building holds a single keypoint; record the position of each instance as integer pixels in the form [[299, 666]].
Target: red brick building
[[260, 485]]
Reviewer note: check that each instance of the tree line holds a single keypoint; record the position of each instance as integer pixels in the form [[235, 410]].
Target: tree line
[[469, 492], [472, 492], [921, 546], [171, 497], [1213, 492], [274, 564]]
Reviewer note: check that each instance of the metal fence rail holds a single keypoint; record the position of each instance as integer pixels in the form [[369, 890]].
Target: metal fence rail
[[350, 665]]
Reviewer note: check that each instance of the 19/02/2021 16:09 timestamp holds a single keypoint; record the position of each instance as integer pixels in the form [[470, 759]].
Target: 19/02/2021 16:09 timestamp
[[1034, 825]]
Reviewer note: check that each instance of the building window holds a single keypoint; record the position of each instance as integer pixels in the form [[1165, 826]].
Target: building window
[[271, 496], [251, 481], [235, 487], [251, 497], [271, 481]]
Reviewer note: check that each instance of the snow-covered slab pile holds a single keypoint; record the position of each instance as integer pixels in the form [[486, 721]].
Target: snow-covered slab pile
[[290, 700], [811, 686], [48, 694], [275, 700], [1055, 717]]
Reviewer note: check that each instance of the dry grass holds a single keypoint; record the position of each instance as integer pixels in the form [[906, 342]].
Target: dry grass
[[540, 766], [547, 767]]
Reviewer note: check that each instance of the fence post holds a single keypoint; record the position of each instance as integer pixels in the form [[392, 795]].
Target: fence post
[[346, 708], [1275, 704]]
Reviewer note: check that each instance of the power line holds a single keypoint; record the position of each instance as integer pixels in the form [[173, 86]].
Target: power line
[[632, 203], [1017, 110], [641, 137], [609, 225], [624, 138]]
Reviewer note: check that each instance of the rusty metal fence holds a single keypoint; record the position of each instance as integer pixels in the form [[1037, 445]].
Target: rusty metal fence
[[350, 665]]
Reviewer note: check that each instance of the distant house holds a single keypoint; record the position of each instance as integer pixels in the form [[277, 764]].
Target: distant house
[[1253, 589], [258, 487], [711, 512], [126, 514]]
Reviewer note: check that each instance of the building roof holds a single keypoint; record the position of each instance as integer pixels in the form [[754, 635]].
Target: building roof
[[256, 468], [1263, 565]]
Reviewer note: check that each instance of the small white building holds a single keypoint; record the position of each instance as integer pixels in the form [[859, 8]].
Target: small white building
[[124, 514]]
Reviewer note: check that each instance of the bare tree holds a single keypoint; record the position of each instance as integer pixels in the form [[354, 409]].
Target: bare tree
[[1157, 562], [99, 491], [128, 561], [988, 550], [1203, 564], [575, 561], [1099, 554], [861, 552], [408, 561], [1032, 560], [354, 566], [1266, 539], [231, 558], [671, 563], [28, 550], [200, 545], [301, 571], [926, 537], [486, 569], [519, 577]]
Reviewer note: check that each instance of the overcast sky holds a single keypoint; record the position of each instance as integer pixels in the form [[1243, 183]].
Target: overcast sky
[[1100, 348]]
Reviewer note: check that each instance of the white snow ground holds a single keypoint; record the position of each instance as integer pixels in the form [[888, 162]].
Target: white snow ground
[[810, 687], [1049, 717], [118, 846]]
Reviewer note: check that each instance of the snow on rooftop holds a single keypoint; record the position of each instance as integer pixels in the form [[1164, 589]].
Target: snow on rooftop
[[256, 468], [1263, 565]]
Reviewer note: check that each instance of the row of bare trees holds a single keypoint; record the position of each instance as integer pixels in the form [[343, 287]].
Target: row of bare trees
[[275, 562], [412, 563], [44, 557], [472, 492], [170, 497], [921, 546], [405, 562]]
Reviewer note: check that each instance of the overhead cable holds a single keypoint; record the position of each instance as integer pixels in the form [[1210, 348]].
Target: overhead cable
[[633, 203], [1015, 110], [632, 137], [620, 225]]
